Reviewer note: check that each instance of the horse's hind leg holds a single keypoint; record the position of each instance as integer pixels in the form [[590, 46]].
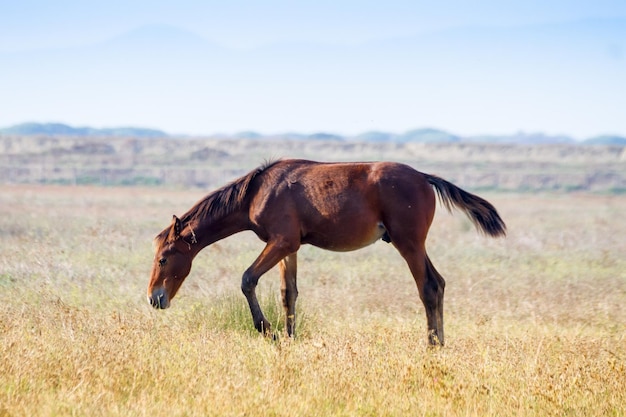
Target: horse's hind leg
[[430, 285], [437, 284], [289, 291]]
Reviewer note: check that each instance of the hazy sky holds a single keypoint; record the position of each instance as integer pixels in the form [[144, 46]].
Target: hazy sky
[[265, 80], [32, 24]]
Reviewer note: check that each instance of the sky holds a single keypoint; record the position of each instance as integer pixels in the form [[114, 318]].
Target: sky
[[346, 67]]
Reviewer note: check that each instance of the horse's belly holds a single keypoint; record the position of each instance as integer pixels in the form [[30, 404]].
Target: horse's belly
[[342, 239]]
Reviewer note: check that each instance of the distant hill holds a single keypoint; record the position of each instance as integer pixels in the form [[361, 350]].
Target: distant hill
[[424, 135], [324, 136], [428, 136], [59, 129], [522, 138], [247, 135], [606, 140], [376, 136]]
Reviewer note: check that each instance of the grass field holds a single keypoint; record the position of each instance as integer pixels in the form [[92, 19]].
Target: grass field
[[535, 323]]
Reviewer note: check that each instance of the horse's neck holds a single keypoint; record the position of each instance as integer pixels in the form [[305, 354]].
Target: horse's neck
[[210, 231]]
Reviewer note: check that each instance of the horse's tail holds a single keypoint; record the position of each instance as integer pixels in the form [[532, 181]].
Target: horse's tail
[[481, 212]]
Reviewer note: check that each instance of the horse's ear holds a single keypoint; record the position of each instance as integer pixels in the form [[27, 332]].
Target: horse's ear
[[175, 229]]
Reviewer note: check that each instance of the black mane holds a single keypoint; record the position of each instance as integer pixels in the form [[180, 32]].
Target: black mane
[[220, 202]]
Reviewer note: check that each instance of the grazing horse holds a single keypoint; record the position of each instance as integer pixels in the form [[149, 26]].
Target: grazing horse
[[334, 206]]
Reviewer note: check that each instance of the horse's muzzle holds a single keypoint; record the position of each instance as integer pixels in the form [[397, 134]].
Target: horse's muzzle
[[159, 299]]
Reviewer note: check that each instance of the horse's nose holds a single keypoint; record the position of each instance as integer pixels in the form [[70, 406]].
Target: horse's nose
[[158, 299]]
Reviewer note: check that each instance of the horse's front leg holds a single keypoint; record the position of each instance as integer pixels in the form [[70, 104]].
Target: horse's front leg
[[275, 250], [289, 291]]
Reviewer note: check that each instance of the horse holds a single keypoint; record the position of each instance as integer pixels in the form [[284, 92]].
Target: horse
[[334, 206]]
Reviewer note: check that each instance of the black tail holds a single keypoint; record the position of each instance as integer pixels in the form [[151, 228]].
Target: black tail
[[481, 212]]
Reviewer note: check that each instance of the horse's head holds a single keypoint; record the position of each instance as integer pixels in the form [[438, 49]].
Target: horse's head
[[171, 265]]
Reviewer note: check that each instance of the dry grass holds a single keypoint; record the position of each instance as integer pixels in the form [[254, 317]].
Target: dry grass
[[535, 322]]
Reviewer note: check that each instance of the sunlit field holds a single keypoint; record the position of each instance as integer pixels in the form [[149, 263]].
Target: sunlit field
[[535, 322]]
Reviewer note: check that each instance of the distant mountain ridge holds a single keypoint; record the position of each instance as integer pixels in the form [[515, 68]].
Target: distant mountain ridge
[[424, 135], [60, 129]]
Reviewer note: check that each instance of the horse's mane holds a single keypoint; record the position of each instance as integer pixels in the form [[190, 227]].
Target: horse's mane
[[219, 203]]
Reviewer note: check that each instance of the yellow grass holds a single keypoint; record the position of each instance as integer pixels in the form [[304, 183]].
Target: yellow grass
[[535, 323]]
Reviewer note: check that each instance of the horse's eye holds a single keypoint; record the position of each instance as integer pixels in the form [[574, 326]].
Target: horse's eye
[[162, 261]]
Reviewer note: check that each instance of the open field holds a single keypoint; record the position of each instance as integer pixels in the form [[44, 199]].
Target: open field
[[535, 323], [209, 162]]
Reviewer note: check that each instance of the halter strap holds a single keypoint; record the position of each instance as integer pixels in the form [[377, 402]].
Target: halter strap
[[194, 240]]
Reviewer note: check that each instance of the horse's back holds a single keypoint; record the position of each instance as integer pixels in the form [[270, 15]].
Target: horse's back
[[349, 183]]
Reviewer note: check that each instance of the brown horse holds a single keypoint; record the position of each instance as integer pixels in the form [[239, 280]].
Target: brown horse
[[335, 206]]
